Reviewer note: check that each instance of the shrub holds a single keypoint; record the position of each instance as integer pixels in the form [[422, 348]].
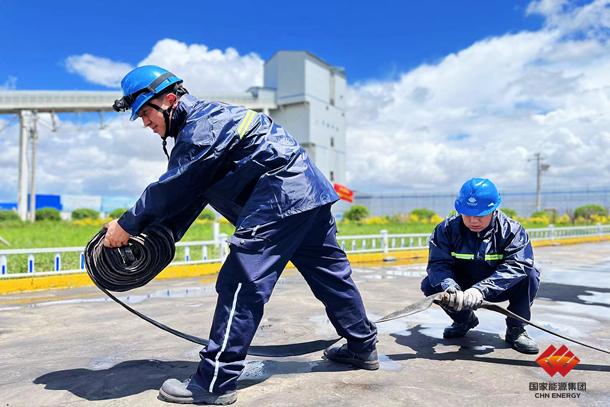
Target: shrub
[[540, 214], [423, 214], [356, 213], [6, 216], [376, 220], [587, 211], [563, 220], [115, 214], [435, 220], [50, 214], [207, 215], [511, 213], [85, 213]]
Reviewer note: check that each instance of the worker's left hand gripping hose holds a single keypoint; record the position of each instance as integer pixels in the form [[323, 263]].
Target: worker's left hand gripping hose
[[131, 266]]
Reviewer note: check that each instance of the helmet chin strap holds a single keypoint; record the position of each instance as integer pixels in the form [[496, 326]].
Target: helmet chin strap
[[166, 116]]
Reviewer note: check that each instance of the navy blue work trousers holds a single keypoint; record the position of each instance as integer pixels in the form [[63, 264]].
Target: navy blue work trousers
[[256, 260], [520, 298]]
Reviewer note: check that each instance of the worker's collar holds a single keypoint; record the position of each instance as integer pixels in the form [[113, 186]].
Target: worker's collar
[[180, 113]]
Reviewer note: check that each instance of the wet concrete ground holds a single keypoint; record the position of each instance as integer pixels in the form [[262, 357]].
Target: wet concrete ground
[[77, 348]]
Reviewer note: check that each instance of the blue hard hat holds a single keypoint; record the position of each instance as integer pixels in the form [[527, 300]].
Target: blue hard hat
[[144, 83], [478, 197]]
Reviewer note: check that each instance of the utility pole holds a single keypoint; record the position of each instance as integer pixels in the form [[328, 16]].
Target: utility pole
[[34, 143], [22, 198], [541, 167]]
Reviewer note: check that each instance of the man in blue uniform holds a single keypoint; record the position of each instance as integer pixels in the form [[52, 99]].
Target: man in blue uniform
[[257, 176], [481, 254]]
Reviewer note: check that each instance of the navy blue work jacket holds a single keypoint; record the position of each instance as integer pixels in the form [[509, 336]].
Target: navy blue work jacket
[[492, 260], [238, 161]]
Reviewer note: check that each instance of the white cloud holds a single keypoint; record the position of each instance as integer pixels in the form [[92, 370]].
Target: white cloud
[[485, 110], [204, 70], [97, 160], [207, 70], [98, 70], [482, 111]]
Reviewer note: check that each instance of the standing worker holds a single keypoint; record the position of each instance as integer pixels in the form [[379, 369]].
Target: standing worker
[[482, 254], [254, 173]]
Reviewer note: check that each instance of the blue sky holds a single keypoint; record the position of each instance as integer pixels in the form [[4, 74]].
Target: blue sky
[[377, 39], [439, 91]]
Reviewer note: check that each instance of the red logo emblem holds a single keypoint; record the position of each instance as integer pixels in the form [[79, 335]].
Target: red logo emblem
[[554, 360]]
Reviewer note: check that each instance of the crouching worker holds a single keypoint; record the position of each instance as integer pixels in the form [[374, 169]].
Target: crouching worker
[[256, 175], [481, 254]]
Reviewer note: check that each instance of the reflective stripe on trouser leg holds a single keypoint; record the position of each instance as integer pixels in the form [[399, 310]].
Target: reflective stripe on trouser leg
[[226, 338], [256, 263], [325, 267]]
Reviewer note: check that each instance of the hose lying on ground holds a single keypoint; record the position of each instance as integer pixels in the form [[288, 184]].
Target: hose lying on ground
[[132, 266], [146, 255]]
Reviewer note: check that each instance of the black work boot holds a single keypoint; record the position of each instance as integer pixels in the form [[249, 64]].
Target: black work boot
[[362, 360], [520, 340], [190, 392], [459, 329]]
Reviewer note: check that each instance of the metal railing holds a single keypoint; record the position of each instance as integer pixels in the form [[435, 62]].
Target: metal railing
[[49, 261]]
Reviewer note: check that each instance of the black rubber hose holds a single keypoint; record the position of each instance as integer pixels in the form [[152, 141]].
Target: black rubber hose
[[132, 266], [145, 256]]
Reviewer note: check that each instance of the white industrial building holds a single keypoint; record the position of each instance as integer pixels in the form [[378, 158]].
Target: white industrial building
[[310, 95], [302, 92]]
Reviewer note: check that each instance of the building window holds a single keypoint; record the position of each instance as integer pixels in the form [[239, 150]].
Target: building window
[[332, 141], [332, 175]]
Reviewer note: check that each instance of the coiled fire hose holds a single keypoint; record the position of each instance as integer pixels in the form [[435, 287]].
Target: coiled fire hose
[[146, 255], [132, 266]]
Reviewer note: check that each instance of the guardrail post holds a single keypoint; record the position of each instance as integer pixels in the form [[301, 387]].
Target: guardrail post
[[384, 241], [57, 262], [216, 232], [353, 245], [599, 228], [224, 247], [82, 261], [3, 265], [204, 252], [187, 254], [31, 264], [552, 231]]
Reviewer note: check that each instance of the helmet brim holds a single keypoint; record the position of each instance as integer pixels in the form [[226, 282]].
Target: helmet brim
[[463, 209]]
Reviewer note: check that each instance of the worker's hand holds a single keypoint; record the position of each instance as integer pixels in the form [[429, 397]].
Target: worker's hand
[[115, 235], [473, 298], [454, 300]]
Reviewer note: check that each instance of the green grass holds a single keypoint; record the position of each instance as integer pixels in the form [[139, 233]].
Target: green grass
[[64, 234]]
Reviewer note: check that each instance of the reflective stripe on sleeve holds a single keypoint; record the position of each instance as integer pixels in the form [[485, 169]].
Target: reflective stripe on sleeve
[[467, 256], [463, 256], [494, 257], [245, 123]]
